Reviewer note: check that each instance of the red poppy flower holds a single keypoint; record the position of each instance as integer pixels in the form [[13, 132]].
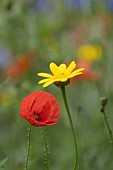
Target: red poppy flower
[[20, 66], [40, 109]]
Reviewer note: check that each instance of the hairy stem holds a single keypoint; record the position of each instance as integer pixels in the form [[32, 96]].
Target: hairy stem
[[46, 148], [29, 146]]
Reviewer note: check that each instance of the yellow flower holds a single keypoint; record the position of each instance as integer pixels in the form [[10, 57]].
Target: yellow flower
[[4, 99], [90, 52], [61, 74]]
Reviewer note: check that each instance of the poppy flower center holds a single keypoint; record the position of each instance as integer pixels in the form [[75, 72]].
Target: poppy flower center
[[35, 115]]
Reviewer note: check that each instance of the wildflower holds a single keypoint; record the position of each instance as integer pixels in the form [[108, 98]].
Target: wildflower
[[8, 95], [20, 66], [61, 74], [5, 57], [61, 77], [40, 109], [80, 5], [90, 52], [88, 74], [4, 99]]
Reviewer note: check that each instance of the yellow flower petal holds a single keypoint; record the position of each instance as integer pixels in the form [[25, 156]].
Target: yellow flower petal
[[71, 67], [48, 83], [43, 81], [77, 72], [62, 68], [45, 75], [54, 69], [72, 75]]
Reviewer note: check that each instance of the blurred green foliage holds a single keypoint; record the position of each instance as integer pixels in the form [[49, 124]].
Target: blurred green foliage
[[55, 35]]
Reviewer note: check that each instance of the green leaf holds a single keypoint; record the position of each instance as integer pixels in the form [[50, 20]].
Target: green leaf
[[3, 163]]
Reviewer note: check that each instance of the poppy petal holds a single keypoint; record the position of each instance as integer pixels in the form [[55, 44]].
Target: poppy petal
[[46, 112]]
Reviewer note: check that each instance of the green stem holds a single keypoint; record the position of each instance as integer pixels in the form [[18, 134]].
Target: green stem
[[71, 124], [46, 148], [29, 145], [108, 126]]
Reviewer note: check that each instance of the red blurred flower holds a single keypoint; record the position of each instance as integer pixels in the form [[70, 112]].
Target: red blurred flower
[[88, 73], [20, 66], [40, 109]]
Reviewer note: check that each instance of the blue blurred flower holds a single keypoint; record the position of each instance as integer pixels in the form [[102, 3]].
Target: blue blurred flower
[[73, 3], [110, 4], [84, 5], [40, 5], [5, 57]]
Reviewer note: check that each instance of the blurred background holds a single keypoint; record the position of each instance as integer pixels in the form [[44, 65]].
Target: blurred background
[[34, 33]]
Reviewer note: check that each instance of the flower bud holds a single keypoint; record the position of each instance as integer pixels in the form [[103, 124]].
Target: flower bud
[[103, 101]]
